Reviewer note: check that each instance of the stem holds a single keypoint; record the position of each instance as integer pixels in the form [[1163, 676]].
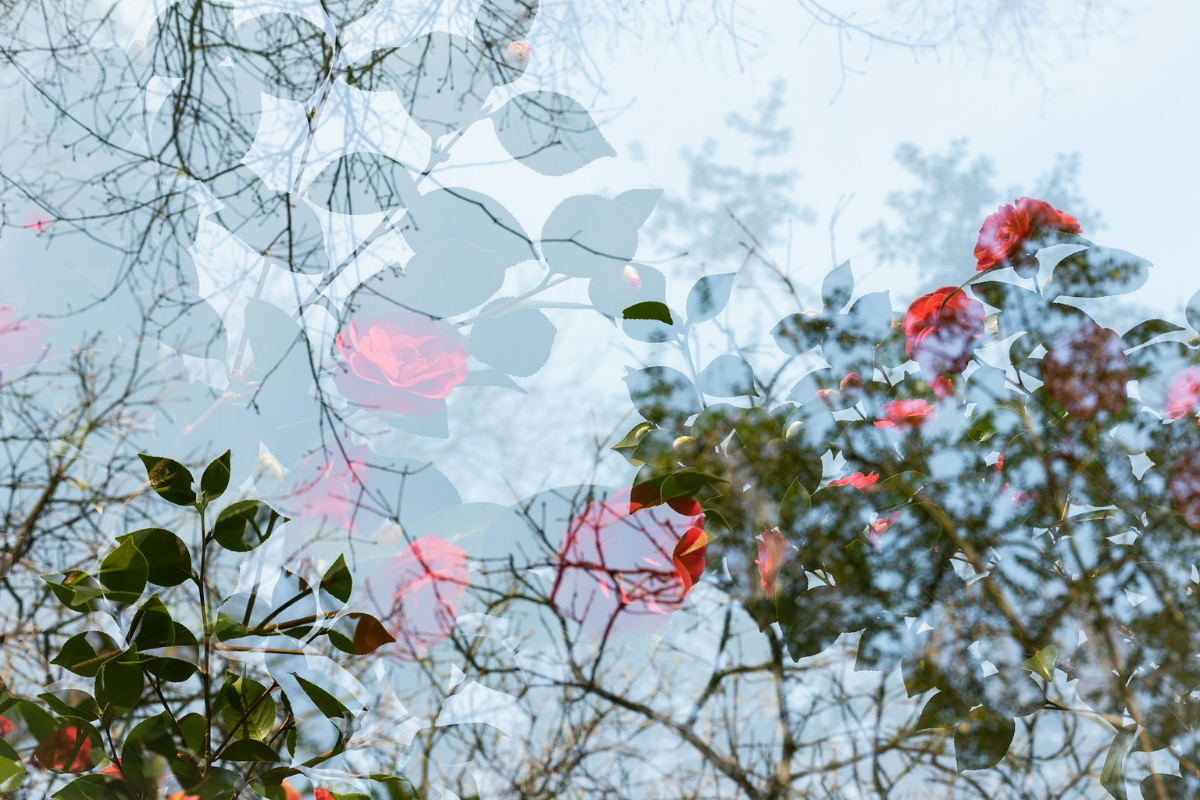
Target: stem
[[207, 677]]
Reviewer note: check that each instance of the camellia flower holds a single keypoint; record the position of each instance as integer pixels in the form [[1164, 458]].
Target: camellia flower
[[407, 364], [852, 387], [329, 489], [857, 480], [940, 330], [1008, 237], [322, 794], [624, 567], [942, 387], [879, 527], [289, 792], [181, 795], [904, 415], [6, 726], [1184, 486], [37, 221], [20, 340], [772, 552], [68, 750], [1183, 394], [1086, 370], [416, 595]]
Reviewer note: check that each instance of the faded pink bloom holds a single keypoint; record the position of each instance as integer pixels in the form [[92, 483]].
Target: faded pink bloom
[[879, 527], [1183, 395], [37, 221], [406, 365], [904, 415], [517, 54], [857, 480], [329, 489], [772, 552], [630, 274], [416, 595], [942, 387], [20, 341], [623, 567]]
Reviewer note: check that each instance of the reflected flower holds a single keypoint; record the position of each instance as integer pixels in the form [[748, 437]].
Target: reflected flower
[[942, 387], [1008, 235], [59, 751], [879, 527], [1086, 370], [1185, 488], [772, 552], [940, 330], [6, 726], [20, 340], [405, 365], [1183, 395], [623, 567], [37, 221], [416, 595], [905, 415], [857, 480], [329, 489], [517, 54]]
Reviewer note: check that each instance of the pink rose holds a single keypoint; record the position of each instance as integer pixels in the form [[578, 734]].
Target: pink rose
[[416, 595], [20, 341], [407, 364], [623, 567]]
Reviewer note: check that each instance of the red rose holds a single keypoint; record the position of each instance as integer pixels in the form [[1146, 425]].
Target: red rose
[[857, 480], [68, 750], [772, 552], [416, 595], [623, 567], [904, 415], [406, 365], [1185, 488], [1008, 236], [1086, 370], [1183, 395], [940, 329]]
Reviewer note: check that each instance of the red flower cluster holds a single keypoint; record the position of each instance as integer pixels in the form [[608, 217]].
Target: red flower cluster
[[905, 415], [1086, 370], [857, 480], [1009, 236], [1183, 395], [940, 329]]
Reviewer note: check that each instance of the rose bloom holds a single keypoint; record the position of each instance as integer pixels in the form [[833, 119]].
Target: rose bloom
[[940, 330], [1184, 486], [407, 364], [329, 489], [1086, 370], [623, 567], [904, 415], [56, 752], [772, 552], [20, 340], [857, 480], [1183, 395], [1008, 236], [416, 595]]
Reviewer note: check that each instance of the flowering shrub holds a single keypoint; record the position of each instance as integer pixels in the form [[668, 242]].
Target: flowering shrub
[[1010, 237]]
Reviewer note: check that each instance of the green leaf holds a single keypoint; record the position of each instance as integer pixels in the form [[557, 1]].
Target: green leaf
[[326, 703], [1163, 787], [84, 653], [244, 525], [709, 296], [170, 563], [12, 771], [65, 590], [170, 479], [800, 333], [981, 741], [243, 694], [193, 726], [837, 287], [650, 310], [215, 479], [1042, 662], [358, 634], [941, 711], [338, 581], [1143, 332], [93, 787], [152, 626], [398, 788], [119, 684], [73, 703], [628, 445], [1112, 774], [249, 750], [124, 571]]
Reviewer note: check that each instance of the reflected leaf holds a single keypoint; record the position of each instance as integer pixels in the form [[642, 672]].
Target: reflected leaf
[[550, 133], [587, 236], [362, 183], [516, 342]]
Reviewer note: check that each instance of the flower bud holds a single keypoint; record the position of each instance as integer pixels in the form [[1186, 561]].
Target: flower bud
[[686, 445], [516, 55], [631, 276], [794, 430]]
